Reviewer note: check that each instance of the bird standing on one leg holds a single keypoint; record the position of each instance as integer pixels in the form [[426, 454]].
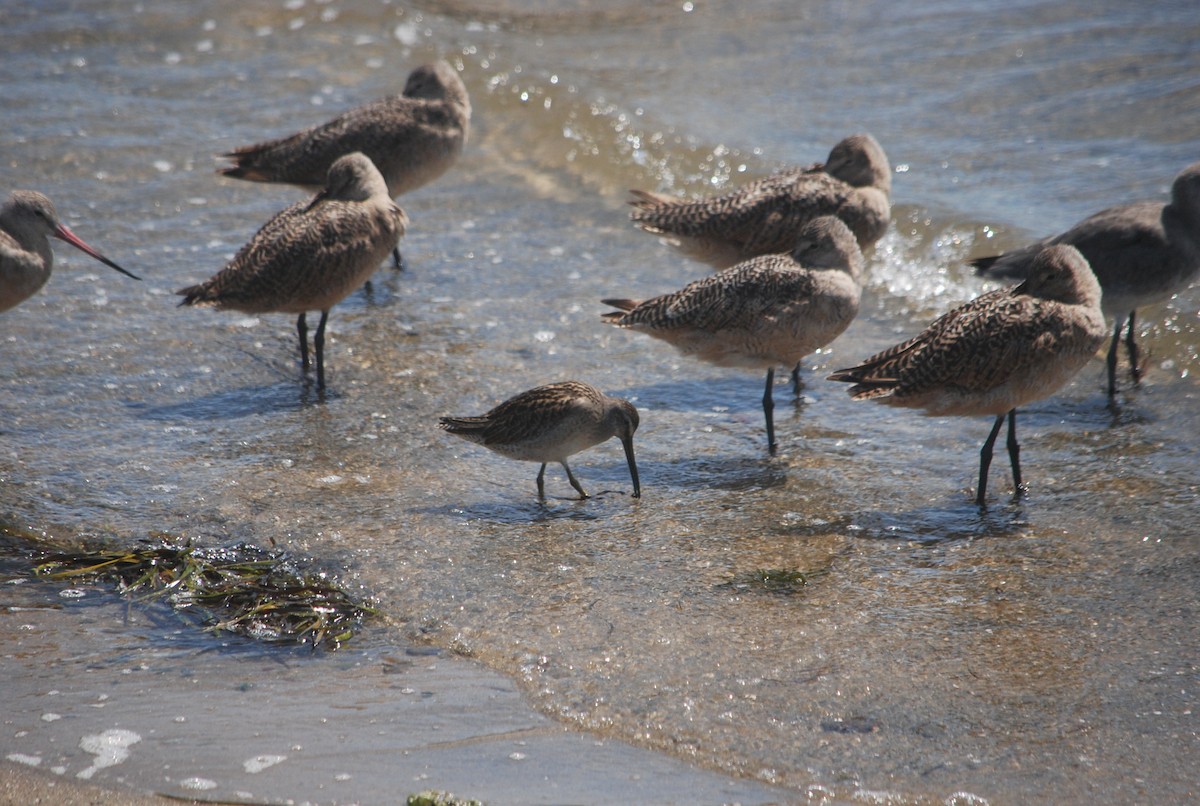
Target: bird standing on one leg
[[550, 423], [1141, 253], [767, 311], [995, 353], [27, 221], [311, 255]]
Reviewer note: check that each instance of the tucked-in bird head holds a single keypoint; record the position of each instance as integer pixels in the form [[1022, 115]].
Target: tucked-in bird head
[[435, 82], [827, 243], [30, 217], [1062, 274], [1185, 192], [859, 160], [354, 178]]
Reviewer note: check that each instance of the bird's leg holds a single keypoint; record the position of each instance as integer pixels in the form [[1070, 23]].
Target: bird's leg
[[769, 410], [574, 481], [796, 380], [985, 459], [319, 349], [1112, 359], [302, 330], [397, 260], [1135, 369], [1014, 452], [541, 481]]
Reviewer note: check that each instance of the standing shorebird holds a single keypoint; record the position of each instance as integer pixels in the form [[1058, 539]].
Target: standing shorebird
[[772, 309], [1000, 351], [764, 217], [1141, 253], [27, 220], [549, 423], [311, 255], [413, 138]]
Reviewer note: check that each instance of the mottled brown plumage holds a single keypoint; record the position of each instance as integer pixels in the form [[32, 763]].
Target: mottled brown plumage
[[312, 254], [27, 221], [765, 216], [550, 423], [412, 138], [1141, 253], [998, 352], [767, 311]]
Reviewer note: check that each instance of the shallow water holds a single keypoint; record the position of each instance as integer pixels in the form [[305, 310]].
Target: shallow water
[[1040, 648]]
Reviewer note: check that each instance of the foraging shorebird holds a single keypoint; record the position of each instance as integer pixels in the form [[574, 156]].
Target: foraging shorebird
[[311, 255], [769, 310], [1000, 351], [764, 217], [550, 423], [27, 220], [413, 138], [1141, 253]]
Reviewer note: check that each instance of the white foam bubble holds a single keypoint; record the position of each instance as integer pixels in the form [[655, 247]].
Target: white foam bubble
[[260, 763], [109, 748]]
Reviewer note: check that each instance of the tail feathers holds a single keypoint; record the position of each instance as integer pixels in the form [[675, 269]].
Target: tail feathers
[[982, 264], [865, 388], [245, 164], [1002, 266], [463, 426], [622, 304], [249, 162], [865, 391], [651, 209], [247, 172], [623, 307], [645, 199], [195, 295]]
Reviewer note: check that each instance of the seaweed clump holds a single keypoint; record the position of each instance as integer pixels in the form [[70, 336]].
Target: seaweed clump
[[242, 590]]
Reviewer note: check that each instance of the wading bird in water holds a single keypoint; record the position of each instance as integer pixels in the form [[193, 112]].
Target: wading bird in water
[[999, 351], [550, 423], [768, 311], [413, 138], [311, 255], [1141, 253]]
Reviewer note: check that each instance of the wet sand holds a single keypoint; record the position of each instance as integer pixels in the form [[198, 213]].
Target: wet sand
[[105, 710]]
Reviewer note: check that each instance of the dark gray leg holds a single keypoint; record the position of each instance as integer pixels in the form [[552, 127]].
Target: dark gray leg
[[574, 482], [302, 330], [1014, 451], [985, 460], [1112, 359], [769, 411], [397, 261], [1135, 368], [319, 349], [541, 481]]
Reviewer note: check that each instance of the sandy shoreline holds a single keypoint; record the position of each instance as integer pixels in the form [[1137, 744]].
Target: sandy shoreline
[[25, 786]]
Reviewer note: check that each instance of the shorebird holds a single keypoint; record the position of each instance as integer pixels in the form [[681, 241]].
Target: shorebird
[[1141, 253], [27, 220], [550, 423], [1000, 351], [311, 255], [413, 138], [769, 310], [765, 216]]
